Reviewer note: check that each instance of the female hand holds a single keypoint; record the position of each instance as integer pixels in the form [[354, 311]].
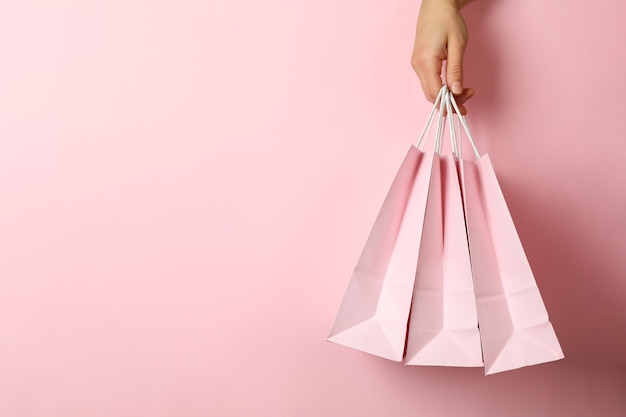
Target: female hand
[[441, 35]]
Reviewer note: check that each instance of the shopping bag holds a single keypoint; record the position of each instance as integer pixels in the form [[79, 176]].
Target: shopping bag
[[374, 312], [443, 325], [514, 326]]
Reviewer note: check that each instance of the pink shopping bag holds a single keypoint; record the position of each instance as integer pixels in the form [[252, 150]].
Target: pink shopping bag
[[514, 326], [374, 312], [443, 325]]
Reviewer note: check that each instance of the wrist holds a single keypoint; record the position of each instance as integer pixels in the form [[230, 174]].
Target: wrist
[[457, 4], [461, 3]]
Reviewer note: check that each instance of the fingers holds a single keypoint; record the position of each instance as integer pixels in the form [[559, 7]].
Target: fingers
[[428, 64], [428, 71], [454, 67], [462, 98]]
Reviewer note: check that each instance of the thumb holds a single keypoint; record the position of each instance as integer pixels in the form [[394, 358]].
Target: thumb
[[454, 67]]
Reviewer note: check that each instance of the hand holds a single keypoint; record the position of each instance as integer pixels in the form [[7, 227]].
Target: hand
[[441, 35]]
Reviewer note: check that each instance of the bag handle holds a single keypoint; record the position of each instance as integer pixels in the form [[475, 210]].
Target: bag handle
[[431, 117], [463, 122], [440, 122], [453, 138]]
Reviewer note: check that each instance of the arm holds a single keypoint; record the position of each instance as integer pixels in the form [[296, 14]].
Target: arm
[[441, 35]]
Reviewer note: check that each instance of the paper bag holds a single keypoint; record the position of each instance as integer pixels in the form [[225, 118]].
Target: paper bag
[[443, 326], [375, 309], [514, 326], [374, 312]]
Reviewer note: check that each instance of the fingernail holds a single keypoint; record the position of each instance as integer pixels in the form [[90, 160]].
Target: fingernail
[[457, 88]]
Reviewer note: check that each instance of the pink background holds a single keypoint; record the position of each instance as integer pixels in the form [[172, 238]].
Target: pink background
[[186, 186]]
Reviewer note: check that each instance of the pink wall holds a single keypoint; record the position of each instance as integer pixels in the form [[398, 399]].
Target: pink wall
[[187, 185]]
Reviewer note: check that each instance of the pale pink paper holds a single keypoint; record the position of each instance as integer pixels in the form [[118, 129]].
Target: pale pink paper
[[443, 326], [374, 312], [514, 326]]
